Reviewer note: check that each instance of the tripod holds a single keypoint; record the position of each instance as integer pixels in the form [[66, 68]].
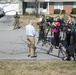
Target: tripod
[[60, 50], [45, 37]]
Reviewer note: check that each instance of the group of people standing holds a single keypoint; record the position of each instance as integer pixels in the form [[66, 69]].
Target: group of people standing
[[70, 35], [71, 38]]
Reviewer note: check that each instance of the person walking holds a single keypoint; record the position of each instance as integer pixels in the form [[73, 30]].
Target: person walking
[[16, 23], [30, 33]]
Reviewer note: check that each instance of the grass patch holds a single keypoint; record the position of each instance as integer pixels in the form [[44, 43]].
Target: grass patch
[[24, 21], [37, 68]]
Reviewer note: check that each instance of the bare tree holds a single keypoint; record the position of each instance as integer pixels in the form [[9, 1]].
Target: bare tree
[[36, 7]]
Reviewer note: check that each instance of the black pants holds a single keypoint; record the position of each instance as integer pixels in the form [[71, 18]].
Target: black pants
[[68, 38], [56, 37], [72, 38], [71, 50], [72, 47], [41, 33]]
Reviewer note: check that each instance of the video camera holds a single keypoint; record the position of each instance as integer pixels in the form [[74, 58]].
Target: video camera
[[49, 19], [62, 23]]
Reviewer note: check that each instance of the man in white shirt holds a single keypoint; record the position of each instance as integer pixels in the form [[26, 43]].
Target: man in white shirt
[[30, 33]]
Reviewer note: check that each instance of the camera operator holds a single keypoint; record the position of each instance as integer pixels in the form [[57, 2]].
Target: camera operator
[[64, 19], [68, 30], [71, 49], [72, 30], [41, 28], [56, 31]]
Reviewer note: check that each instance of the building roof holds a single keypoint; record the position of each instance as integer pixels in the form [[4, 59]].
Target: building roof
[[50, 0]]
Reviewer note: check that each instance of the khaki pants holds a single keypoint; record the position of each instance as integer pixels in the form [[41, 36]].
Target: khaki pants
[[16, 24], [31, 45]]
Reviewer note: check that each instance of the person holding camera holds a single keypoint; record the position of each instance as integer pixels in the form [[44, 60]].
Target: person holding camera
[[65, 17], [41, 28], [72, 47], [68, 30], [56, 25]]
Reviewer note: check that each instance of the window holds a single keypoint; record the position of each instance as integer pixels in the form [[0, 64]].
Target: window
[[41, 5], [30, 5], [68, 3], [44, 5], [74, 4], [58, 5]]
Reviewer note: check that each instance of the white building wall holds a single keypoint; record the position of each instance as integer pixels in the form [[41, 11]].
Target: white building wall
[[10, 9]]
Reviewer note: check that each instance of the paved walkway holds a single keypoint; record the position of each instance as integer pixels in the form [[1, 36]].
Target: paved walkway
[[6, 23], [13, 45]]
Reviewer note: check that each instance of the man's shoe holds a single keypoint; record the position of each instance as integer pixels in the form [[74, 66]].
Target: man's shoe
[[66, 58], [72, 58], [57, 47], [33, 56], [28, 55]]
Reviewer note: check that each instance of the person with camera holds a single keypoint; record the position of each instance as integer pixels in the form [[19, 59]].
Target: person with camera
[[72, 47], [64, 19], [56, 25], [41, 28], [68, 30]]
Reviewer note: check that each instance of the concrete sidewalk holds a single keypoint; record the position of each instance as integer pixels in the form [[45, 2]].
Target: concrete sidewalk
[[6, 23], [13, 46]]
